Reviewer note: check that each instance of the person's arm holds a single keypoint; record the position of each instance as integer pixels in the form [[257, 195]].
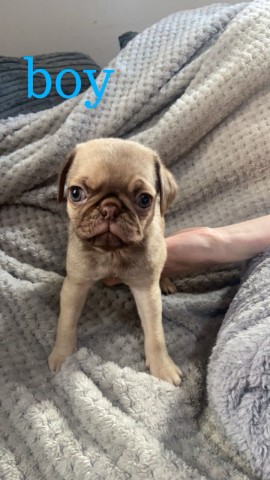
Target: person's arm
[[246, 239], [194, 249]]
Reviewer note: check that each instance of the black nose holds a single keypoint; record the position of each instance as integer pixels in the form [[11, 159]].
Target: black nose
[[109, 211]]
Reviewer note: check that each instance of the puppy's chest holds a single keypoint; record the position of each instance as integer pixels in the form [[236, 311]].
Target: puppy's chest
[[113, 264]]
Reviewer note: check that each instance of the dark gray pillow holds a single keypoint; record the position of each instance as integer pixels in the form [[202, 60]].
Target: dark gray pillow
[[14, 78], [125, 38]]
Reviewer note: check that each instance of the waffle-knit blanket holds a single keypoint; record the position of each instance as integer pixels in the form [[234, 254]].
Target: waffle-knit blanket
[[195, 86]]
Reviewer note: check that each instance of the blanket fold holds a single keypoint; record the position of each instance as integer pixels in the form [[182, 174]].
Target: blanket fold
[[195, 87], [239, 370]]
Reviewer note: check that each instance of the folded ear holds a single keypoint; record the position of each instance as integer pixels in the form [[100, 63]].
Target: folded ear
[[63, 175], [166, 185]]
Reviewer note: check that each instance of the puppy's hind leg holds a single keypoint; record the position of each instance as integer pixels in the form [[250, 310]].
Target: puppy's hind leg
[[167, 286]]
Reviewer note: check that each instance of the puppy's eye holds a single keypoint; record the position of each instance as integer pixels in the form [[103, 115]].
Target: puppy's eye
[[144, 200], [76, 194]]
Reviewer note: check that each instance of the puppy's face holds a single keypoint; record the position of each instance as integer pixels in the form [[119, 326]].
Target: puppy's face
[[113, 187]]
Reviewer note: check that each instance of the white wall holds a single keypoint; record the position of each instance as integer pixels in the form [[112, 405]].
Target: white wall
[[29, 27]]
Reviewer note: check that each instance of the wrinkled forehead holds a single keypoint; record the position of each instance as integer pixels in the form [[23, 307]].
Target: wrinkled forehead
[[115, 166]]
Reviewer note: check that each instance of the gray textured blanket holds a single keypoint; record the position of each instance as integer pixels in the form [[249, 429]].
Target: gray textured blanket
[[195, 86]]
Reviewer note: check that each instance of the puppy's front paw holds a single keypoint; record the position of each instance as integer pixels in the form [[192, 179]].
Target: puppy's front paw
[[56, 359], [167, 287], [164, 368]]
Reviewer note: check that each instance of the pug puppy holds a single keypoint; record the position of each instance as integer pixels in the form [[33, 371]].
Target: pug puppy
[[118, 192]]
